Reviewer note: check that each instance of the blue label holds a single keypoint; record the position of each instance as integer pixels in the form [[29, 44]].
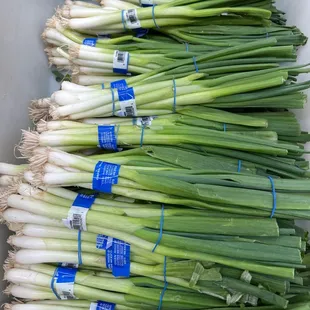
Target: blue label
[[102, 305], [105, 175], [65, 275], [84, 201], [126, 94], [90, 41], [120, 84], [117, 255], [141, 32], [107, 138]]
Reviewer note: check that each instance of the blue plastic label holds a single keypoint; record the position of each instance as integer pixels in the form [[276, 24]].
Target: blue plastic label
[[120, 84], [127, 102], [102, 305], [117, 255], [63, 282], [107, 138], [84, 201], [90, 41], [105, 175]]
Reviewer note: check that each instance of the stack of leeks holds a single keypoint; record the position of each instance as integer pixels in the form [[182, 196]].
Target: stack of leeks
[[210, 168]]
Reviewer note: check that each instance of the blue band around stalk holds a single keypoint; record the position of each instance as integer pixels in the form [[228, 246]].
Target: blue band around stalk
[[274, 197], [161, 227], [153, 16]]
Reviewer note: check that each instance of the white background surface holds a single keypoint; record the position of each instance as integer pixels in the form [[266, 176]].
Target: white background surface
[[24, 76], [24, 73]]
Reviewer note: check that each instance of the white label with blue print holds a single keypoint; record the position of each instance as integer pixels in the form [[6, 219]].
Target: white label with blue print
[[63, 283], [131, 19], [76, 218], [120, 62], [127, 103]]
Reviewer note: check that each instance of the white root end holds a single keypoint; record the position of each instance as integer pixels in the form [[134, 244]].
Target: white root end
[[39, 109], [10, 240], [30, 141], [51, 22], [37, 114], [17, 228], [9, 263], [68, 2], [7, 306], [7, 291], [53, 112], [75, 69], [42, 126], [6, 193], [65, 11], [39, 159], [41, 103], [74, 51], [64, 23], [38, 179]]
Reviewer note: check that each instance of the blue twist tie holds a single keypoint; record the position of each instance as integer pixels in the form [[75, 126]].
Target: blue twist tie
[[142, 136], [174, 96], [113, 101], [224, 127], [274, 197], [52, 284], [80, 248], [153, 16], [161, 227], [195, 64], [102, 86], [187, 47], [239, 165], [165, 286], [123, 21]]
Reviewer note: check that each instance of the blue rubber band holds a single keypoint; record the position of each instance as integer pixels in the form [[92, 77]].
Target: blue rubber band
[[195, 64], [113, 101], [224, 127], [239, 165], [165, 286], [52, 285], [174, 96], [274, 197], [187, 47], [80, 248], [123, 21], [142, 136], [153, 16], [161, 227]]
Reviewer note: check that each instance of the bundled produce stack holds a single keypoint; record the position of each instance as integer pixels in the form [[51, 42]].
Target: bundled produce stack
[[167, 172]]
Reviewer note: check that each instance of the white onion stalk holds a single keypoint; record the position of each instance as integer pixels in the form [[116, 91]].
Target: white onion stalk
[[11, 169], [89, 80], [75, 88], [19, 291], [12, 215], [33, 257], [32, 306], [138, 255]]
